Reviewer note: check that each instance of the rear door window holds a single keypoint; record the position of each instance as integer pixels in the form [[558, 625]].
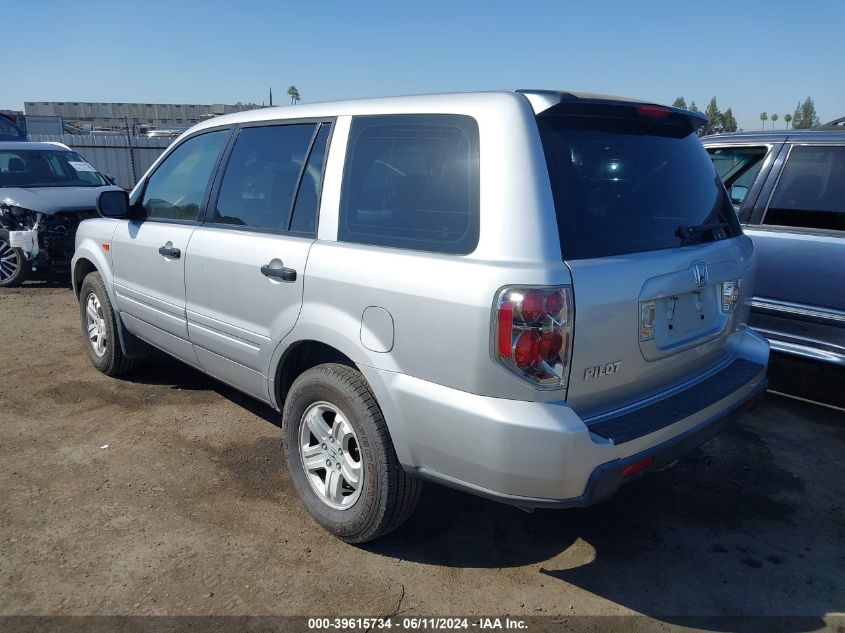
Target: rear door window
[[411, 181], [628, 184], [811, 190], [262, 174], [304, 216]]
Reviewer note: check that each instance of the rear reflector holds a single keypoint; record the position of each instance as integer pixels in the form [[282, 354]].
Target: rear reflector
[[633, 469], [505, 327], [648, 109]]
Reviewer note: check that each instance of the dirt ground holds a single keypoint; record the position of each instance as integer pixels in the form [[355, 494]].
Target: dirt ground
[[166, 493]]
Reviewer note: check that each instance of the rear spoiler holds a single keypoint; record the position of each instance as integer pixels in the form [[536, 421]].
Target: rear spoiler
[[547, 103]]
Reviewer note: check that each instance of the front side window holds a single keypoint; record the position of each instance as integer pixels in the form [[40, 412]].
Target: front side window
[[811, 190], [177, 188], [738, 168], [411, 181], [262, 175]]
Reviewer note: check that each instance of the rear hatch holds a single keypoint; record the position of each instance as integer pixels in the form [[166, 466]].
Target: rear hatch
[[652, 242]]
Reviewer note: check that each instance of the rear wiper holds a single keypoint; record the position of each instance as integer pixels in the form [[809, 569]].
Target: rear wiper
[[686, 232]]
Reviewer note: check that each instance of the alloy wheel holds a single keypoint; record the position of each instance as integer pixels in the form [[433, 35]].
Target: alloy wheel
[[95, 324], [9, 261], [330, 455]]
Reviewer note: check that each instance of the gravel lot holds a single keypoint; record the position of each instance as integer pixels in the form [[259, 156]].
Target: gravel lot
[[166, 493]]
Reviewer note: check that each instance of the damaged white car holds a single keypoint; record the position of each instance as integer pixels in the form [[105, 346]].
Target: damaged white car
[[46, 190]]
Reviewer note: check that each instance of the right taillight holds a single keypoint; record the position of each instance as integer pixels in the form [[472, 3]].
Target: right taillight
[[532, 333]]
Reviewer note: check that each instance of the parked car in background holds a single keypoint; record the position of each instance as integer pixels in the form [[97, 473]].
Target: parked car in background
[[10, 131], [530, 296], [162, 134], [788, 189], [46, 190]]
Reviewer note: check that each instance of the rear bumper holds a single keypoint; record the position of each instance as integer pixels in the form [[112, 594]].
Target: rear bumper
[[538, 454], [607, 478]]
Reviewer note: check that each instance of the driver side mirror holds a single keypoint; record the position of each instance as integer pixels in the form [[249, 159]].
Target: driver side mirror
[[113, 204], [738, 193]]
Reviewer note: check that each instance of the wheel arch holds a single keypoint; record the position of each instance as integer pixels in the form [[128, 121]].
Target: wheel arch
[[87, 261], [82, 267], [297, 358], [302, 354]]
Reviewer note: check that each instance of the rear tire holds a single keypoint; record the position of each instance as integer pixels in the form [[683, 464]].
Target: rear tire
[[370, 504], [13, 264], [99, 328]]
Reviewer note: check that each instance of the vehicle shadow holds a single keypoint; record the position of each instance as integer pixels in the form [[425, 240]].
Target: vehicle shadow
[[725, 540], [48, 281], [725, 532], [161, 369], [807, 379]]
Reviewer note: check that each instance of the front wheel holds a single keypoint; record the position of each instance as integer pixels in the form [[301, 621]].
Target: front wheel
[[13, 268], [341, 458], [99, 328]]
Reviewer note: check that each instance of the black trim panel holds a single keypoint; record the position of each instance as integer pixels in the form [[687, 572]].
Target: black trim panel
[[659, 415]]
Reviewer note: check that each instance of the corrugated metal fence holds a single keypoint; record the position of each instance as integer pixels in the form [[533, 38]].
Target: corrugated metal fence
[[125, 158]]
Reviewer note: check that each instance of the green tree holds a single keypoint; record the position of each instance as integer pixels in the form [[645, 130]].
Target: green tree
[[763, 117], [680, 102], [774, 120], [714, 119], [293, 93], [728, 121], [693, 107], [787, 118], [805, 115]]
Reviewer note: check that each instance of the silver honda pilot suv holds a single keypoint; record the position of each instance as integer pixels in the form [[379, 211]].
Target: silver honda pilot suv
[[532, 296]]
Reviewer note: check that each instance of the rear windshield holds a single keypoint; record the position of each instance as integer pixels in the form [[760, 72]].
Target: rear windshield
[[626, 185]]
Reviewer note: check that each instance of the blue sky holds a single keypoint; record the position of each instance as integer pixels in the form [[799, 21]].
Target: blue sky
[[752, 55]]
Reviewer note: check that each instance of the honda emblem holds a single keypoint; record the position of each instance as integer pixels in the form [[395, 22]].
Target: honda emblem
[[699, 271]]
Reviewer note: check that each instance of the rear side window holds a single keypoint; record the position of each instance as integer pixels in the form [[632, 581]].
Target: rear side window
[[262, 174], [811, 190], [631, 184], [411, 181]]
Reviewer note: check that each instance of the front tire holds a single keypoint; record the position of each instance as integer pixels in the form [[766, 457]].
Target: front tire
[[341, 458], [13, 268], [99, 328]]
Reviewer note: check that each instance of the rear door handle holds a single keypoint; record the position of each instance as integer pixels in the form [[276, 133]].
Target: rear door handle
[[168, 251], [277, 270]]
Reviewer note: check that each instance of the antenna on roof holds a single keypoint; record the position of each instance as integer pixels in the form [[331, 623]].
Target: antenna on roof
[[271, 96]]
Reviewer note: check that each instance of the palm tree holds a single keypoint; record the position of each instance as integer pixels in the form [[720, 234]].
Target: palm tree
[[774, 120], [763, 117], [787, 118], [293, 93]]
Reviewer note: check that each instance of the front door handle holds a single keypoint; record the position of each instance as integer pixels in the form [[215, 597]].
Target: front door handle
[[276, 269], [168, 251]]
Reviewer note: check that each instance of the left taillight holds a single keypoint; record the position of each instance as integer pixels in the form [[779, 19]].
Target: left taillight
[[532, 333]]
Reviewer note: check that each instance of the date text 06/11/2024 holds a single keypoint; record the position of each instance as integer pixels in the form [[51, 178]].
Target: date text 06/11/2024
[[416, 623]]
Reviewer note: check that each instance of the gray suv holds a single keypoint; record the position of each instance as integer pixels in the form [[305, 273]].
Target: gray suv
[[788, 190], [531, 296]]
